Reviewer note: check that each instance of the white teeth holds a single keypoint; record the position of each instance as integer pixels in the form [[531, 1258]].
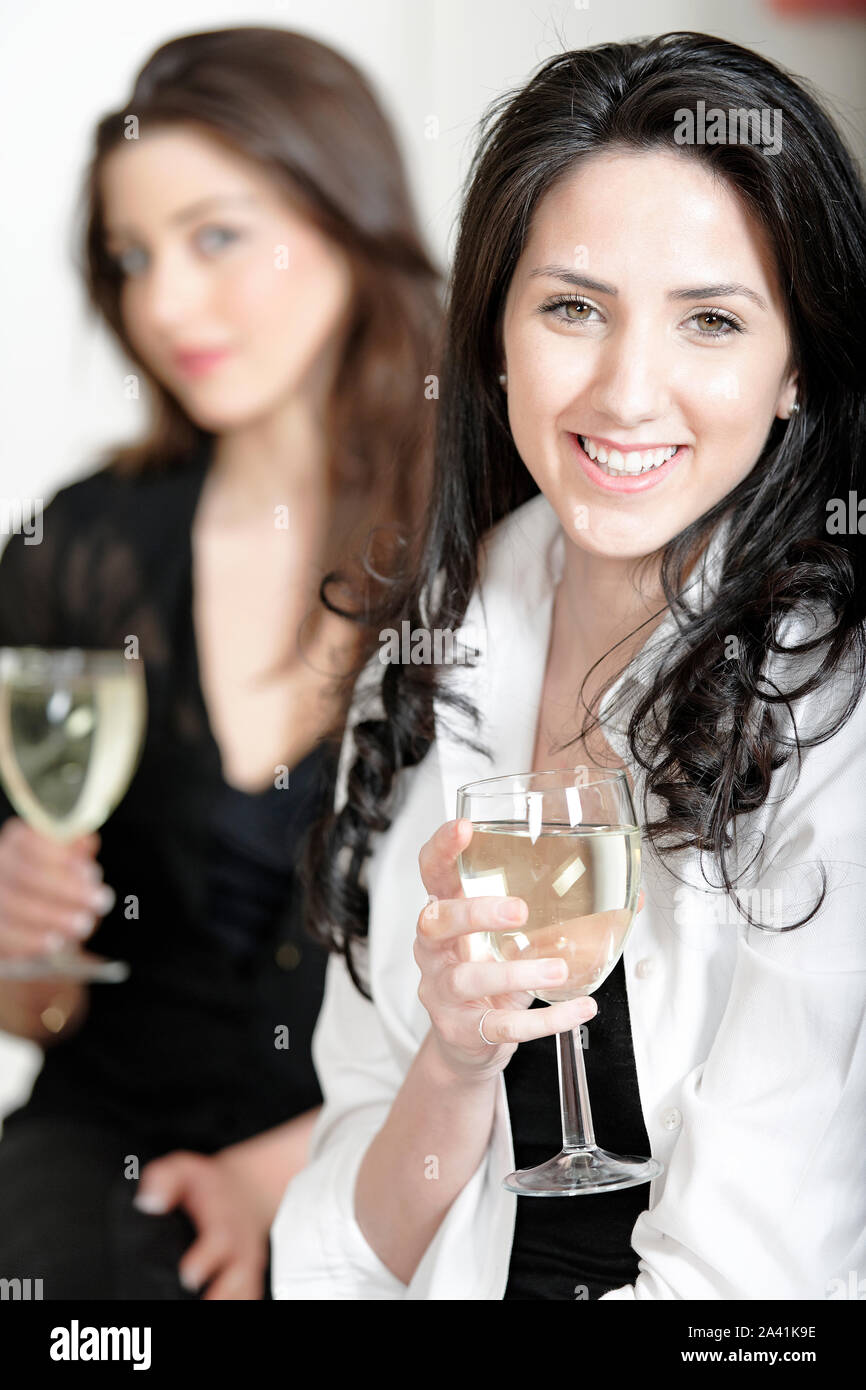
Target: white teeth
[[622, 465]]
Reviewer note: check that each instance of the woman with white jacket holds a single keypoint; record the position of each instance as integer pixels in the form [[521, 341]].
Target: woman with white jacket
[[642, 530]]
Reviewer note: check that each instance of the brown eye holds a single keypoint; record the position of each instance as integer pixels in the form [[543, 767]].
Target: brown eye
[[569, 309], [717, 325]]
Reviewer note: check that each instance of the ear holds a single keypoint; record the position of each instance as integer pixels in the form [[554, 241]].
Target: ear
[[788, 395]]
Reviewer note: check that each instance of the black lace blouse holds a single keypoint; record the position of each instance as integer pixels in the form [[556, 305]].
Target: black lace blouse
[[191, 1050]]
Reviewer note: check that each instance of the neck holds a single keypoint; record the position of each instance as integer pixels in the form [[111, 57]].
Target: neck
[[601, 600], [278, 459]]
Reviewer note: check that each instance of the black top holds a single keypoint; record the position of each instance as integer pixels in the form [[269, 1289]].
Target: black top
[[577, 1247], [185, 1052]]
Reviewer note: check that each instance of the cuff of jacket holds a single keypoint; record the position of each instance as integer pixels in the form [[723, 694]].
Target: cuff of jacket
[[318, 1250]]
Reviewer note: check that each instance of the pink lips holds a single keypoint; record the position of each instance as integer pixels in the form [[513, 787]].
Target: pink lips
[[198, 363], [638, 483]]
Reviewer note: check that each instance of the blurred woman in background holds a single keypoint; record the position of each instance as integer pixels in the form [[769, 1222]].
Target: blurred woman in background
[[250, 241]]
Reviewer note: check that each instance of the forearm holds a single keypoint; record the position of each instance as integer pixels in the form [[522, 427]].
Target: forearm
[[270, 1160], [434, 1139]]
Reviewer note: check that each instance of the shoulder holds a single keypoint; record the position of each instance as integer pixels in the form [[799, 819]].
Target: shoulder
[[107, 492], [522, 548], [519, 561], [108, 524]]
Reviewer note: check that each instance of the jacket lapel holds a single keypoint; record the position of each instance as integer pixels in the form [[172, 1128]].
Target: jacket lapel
[[508, 622]]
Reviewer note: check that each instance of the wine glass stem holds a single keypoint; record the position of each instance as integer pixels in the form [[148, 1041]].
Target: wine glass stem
[[577, 1131]]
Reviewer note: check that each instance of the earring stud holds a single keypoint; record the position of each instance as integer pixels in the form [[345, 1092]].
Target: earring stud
[[502, 378], [795, 408]]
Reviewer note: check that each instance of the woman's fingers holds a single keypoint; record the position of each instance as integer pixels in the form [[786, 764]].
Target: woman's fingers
[[453, 917], [471, 980], [53, 857], [23, 942], [73, 881], [438, 859], [204, 1258], [30, 911], [505, 1026], [47, 890], [67, 874], [456, 988]]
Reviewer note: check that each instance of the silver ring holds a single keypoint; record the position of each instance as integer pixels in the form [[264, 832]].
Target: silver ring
[[481, 1027]]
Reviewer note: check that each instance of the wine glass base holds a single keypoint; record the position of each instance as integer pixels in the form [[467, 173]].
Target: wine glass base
[[584, 1170], [71, 963]]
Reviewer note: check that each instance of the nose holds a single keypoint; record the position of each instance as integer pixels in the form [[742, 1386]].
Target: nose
[[631, 382], [171, 292]]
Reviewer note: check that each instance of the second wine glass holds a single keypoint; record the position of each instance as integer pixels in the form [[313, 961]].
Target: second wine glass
[[72, 725]]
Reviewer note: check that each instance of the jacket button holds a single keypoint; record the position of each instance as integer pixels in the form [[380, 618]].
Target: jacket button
[[645, 967], [672, 1119], [287, 955]]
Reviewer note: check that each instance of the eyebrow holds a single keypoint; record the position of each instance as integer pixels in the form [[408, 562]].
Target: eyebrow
[[585, 282], [188, 213]]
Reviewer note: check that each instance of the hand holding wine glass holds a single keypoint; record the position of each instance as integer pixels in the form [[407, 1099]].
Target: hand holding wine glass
[[51, 894], [71, 730], [457, 991]]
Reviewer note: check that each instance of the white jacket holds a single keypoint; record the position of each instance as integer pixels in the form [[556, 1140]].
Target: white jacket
[[749, 1045]]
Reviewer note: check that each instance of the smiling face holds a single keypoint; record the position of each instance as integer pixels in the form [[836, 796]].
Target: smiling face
[[674, 339], [216, 259]]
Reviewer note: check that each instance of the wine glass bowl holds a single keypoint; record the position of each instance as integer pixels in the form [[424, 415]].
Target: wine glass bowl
[[568, 844], [72, 725]]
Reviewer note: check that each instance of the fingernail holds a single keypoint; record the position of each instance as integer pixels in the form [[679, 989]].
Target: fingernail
[[89, 869], [510, 912], [103, 899], [52, 943], [191, 1279], [557, 970], [150, 1202], [82, 923]]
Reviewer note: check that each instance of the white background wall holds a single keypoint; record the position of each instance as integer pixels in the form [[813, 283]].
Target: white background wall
[[63, 65]]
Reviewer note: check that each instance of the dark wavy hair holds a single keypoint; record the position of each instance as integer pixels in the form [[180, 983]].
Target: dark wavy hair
[[711, 755]]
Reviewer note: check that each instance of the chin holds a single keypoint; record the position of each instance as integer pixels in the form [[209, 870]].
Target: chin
[[612, 538], [221, 415]]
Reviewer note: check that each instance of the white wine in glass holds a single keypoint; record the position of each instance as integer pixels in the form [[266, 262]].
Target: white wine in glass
[[568, 843], [72, 725], [580, 885]]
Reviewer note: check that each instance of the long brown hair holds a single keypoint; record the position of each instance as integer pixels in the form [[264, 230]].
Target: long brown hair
[[308, 116]]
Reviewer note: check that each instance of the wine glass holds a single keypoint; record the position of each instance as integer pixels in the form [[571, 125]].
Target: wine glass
[[71, 730], [568, 843]]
